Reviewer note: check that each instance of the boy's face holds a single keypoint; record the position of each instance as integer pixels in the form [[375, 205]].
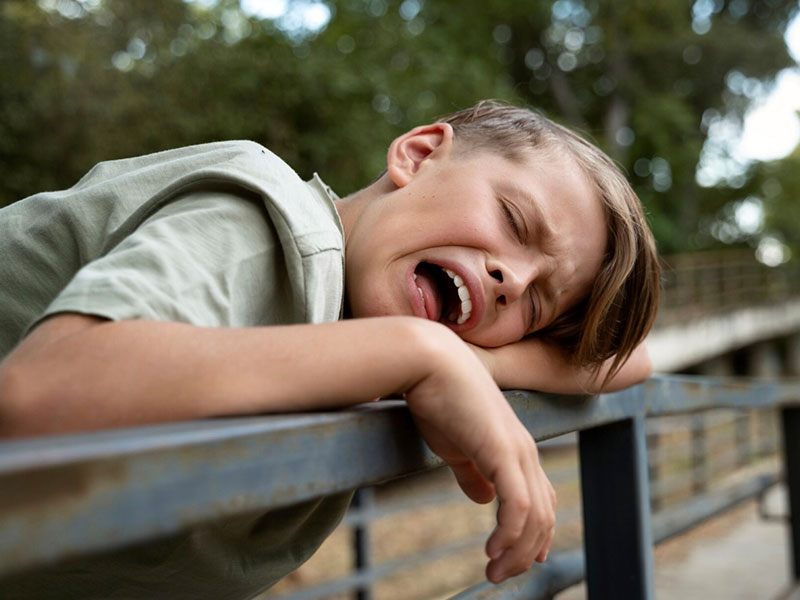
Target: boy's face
[[522, 240]]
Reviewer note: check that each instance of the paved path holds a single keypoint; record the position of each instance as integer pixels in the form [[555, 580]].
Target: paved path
[[738, 556]]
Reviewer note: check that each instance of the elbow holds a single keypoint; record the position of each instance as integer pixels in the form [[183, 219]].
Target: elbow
[[639, 367], [17, 400], [645, 364]]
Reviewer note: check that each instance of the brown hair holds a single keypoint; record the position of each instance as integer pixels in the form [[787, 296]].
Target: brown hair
[[621, 306]]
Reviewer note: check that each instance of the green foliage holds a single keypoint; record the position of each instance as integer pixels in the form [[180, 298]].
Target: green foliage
[[87, 81]]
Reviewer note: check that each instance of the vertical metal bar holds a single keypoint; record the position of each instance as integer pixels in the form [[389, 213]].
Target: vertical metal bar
[[699, 455], [654, 472], [790, 418], [616, 511], [362, 500], [763, 431], [742, 433]]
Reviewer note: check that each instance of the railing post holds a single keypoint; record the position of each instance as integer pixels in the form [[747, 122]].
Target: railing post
[[790, 419], [362, 500], [616, 511], [742, 433], [699, 453], [654, 460]]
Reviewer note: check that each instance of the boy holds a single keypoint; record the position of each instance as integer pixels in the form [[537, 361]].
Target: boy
[[209, 281]]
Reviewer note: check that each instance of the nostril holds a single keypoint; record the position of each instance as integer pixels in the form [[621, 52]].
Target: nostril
[[497, 275], [501, 300]]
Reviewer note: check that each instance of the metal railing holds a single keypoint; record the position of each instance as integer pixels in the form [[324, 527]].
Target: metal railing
[[704, 283], [66, 496]]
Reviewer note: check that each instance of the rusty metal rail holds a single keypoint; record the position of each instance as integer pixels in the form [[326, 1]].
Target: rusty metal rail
[[66, 496]]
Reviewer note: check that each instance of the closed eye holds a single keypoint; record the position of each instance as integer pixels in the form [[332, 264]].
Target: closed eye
[[512, 220], [532, 317]]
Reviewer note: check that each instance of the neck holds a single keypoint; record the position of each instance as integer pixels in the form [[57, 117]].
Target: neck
[[350, 207]]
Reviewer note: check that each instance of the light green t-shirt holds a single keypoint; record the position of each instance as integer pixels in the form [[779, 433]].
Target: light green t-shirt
[[222, 234]]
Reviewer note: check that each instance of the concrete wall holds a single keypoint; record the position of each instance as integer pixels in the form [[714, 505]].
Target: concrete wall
[[711, 340]]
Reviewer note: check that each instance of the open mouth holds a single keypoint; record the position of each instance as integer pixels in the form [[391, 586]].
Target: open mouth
[[444, 294]]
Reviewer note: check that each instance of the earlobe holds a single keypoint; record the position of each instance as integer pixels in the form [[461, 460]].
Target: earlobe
[[411, 150]]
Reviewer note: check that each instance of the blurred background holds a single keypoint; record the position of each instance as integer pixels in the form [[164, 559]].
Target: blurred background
[[697, 100]]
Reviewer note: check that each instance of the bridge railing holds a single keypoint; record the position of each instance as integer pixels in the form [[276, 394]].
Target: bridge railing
[[65, 496], [703, 283]]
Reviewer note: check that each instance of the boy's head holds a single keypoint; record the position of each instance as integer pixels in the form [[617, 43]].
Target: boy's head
[[541, 229]]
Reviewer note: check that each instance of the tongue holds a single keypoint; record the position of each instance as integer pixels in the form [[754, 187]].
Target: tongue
[[430, 292]]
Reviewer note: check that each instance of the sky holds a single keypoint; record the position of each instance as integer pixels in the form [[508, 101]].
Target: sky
[[772, 127]]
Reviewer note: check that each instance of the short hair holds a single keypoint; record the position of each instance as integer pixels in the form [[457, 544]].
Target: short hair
[[620, 309]]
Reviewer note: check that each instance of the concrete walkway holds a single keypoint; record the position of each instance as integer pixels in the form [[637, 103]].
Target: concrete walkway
[[738, 556]]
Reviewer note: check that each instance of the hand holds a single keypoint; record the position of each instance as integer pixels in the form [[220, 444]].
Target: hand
[[467, 421]]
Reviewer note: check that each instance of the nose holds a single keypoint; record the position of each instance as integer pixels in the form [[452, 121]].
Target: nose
[[511, 280]]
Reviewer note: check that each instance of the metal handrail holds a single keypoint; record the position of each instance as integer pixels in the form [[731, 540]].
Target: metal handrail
[[703, 283], [68, 495]]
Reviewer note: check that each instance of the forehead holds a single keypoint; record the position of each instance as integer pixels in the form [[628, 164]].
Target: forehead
[[550, 185]]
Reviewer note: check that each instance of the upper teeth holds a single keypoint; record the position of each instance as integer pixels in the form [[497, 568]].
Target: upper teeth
[[465, 309], [463, 294]]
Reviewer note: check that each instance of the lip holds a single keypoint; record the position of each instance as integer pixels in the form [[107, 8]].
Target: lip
[[417, 304], [475, 294]]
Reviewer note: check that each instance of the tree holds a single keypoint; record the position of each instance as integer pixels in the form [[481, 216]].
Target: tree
[[112, 78]]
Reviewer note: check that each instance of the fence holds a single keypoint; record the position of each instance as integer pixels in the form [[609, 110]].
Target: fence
[[419, 537], [71, 495], [699, 284]]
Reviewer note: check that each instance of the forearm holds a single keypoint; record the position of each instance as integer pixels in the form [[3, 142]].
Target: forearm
[[132, 372], [76, 373], [535, 365]]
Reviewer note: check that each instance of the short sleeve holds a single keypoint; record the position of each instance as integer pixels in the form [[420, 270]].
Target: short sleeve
[[206, 258]]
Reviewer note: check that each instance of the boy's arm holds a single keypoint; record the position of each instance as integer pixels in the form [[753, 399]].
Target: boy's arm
[[534, 364], [78, 372]]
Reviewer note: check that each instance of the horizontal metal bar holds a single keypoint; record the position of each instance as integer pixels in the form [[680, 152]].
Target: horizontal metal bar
[[547, 416], [540, 582], [64, 496], [380, 510], [668, 452], [715, 418], [693, 511], [373, 574], [682, 481], [566, 569]]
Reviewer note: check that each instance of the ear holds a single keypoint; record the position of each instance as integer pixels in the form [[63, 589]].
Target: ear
[[408, 152]]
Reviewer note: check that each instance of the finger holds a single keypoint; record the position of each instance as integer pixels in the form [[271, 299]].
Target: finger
[[542, 556], [512, 516], [535, 540], [475, 486], [532, 544], [516, 559]]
